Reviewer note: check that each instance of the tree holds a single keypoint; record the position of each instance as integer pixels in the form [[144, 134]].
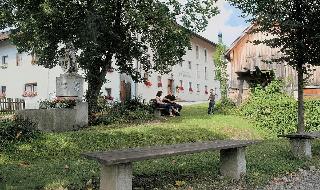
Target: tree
[[221, 68], [293, 27], [102, 32]]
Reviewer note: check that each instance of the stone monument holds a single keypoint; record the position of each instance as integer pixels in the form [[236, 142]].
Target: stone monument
[[68, 86]]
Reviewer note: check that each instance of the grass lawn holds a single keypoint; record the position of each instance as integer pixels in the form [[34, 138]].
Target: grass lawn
[[54, 161]]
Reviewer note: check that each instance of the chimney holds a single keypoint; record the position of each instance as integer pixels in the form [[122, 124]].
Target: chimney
[[220, 37]]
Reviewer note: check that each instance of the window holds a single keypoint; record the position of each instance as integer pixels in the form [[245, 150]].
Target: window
[[198, 87], [34, 58], [4, 62], [30, 87], [3, 91], [205, 73], [108, 91], [159, 79], [18, 59], [197, 52], [30, 90], [205, 55], [206, 89], [145, 76], [189, 63], [198, 74], [181, 83], [190, 86]]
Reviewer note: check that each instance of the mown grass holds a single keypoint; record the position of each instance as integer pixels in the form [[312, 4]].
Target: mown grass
[[54, 161]]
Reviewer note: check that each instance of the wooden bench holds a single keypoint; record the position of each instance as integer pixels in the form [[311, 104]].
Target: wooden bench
[[116, 171], [301, 143]]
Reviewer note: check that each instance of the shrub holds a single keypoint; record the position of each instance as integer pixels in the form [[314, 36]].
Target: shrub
[[18, 130], [116, 112], [273, 109], [58, 103], [225, 106]]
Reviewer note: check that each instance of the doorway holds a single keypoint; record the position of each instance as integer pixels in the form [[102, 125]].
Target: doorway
[[170, 86]]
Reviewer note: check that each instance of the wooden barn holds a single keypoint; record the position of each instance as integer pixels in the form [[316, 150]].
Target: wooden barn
[[246, 60]]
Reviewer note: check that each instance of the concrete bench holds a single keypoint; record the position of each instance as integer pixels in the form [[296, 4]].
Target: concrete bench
[[116, 171], [301, 143], [157, 111]]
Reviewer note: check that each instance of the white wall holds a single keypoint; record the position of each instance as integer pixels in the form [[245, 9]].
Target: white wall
[[15, 77], [187, 75]]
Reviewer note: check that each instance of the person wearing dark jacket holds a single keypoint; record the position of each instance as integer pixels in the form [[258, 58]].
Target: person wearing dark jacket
[[169, 108], [212, 99], [170, 99]]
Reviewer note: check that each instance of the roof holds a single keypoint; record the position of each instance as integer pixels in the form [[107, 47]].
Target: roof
[[238, 40], [204, 39], [4, 36]]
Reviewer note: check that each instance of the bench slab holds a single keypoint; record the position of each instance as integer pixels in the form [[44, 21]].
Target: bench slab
[[301, 143], [305, 135], [138, 154]]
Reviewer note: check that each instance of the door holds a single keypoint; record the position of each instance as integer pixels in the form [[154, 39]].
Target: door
[[170, 86]]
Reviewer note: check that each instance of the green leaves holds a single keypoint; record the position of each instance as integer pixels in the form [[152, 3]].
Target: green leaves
[[221, 69], [102, 32]]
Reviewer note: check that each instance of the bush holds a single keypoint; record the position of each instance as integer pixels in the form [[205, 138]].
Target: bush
[[18, 130], [130, 111], [58, 103], [225, 106], [272, 108]]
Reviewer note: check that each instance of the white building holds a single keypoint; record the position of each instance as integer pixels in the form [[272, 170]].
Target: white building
[[21, 78]]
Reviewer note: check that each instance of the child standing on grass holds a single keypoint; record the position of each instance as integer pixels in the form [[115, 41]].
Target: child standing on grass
[[212, 98]]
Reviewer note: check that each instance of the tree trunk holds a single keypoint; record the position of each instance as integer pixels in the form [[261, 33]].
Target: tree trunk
[[301, 126], [96, 78]]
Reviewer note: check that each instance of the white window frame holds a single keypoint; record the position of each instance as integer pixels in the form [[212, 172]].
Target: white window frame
[[4, 64]]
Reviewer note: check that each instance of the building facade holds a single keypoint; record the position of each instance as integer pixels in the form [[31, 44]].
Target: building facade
[[20, 77], [245, 56], [189, 81]]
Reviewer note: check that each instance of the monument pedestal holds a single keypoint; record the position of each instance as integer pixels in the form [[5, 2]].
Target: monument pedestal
[[68, 86]]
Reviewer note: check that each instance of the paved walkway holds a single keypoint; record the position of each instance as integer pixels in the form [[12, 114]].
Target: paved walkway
[[191, 103], [301, 180]]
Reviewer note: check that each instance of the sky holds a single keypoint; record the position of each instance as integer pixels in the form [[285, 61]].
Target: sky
[[228, 22]]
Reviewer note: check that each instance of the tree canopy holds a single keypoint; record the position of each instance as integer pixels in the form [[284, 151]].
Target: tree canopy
[[293, 26], [102, 32], [221, 68]]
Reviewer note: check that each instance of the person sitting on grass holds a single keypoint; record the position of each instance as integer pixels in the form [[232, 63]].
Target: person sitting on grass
[[170, 99], [160, 104]]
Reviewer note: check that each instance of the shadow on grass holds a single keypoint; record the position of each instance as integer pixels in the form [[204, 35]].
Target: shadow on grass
[[55, 159]]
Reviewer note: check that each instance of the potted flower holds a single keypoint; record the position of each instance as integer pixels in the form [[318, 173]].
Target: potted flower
[[181, 88], [148, 83], [110, 70], [159, 84], [190, 89], [206, 92], [2, 95], [109, 97], [29, 94]]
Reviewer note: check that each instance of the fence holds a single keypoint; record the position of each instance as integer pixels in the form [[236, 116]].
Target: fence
[[9, 105]]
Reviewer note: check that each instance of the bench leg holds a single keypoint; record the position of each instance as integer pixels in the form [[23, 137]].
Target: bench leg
[[301, 148], [233, 162], [116, 177], [157, 113]]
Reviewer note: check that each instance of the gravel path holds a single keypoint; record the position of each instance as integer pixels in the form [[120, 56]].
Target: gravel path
[[301, 180]]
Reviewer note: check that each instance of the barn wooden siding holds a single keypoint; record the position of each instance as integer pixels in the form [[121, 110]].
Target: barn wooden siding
[[244, 54]]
